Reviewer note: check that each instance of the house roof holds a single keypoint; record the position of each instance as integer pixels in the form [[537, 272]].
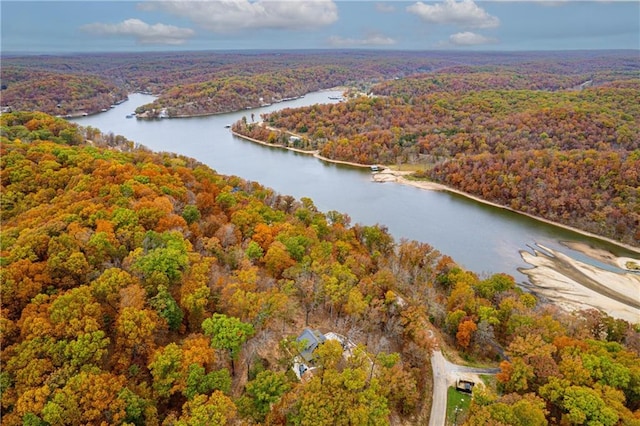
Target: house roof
[[311, 338]]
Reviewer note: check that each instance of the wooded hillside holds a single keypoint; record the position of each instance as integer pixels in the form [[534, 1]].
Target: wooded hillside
[[196, 83], [570, 156], [56, 92], [142, 288]]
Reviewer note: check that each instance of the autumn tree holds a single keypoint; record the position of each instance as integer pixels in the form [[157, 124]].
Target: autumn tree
[[340, 398], [228, 334], [465, 333], [262, 392], [216, 408]]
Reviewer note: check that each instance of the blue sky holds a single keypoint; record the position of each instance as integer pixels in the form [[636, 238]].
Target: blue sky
[[100, 26]]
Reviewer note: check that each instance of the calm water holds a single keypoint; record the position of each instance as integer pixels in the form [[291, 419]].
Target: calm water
[[480, 237]]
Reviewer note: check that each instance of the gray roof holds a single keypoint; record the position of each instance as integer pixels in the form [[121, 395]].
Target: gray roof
[[311, 338]]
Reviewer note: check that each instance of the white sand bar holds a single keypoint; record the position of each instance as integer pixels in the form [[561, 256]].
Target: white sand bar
[[573, 284]]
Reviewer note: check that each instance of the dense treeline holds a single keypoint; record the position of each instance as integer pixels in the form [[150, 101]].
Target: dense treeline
[[143, 288], [568, 156], [57, 93], [291, 79], [146, 289], [239, 92], [193, 83], [535, 75], [590, 190]]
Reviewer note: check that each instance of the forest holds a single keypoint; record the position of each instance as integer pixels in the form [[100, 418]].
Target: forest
[[554, 135], [564, 148], [198, 83], [57, 93], [144, 288]]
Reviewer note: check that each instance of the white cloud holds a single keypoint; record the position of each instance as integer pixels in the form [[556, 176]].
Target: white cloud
[[468, 38], [464, 13], [142, 32], [385, 8], [235, 15], [370, 40]]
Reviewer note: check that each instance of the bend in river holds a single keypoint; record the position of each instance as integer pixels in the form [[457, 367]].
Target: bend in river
[[482, 238]]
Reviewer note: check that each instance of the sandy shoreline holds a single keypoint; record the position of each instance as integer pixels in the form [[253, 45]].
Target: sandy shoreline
[[575, 285], [399, 177], [560, 279], [556, 277]]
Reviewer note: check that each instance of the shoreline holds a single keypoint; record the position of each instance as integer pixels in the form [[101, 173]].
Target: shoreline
[[434, 186], [387, 175], [553, 277], [141, 116], [575, 285], [315, 153]]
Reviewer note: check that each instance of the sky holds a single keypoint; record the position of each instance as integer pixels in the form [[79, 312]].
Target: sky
[[163, 25]]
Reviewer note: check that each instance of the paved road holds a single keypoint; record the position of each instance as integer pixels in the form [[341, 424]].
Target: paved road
[[445, 374], [439, 403]]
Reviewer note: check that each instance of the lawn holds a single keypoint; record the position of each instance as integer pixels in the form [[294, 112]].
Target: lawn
[[457, 405]]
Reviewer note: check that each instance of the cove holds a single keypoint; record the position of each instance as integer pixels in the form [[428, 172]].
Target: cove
[[482, 238]]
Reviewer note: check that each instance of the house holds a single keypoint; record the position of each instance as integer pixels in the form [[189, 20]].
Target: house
[[303, 365], [293, 140], [311, 340]]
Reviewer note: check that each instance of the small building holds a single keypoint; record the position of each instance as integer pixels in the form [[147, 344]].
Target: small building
[[464, 385], [311, 339]]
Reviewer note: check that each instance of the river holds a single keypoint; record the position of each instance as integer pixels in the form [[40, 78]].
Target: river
[[480, 237]]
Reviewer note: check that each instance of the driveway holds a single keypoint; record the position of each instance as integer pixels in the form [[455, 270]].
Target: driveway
[[446, 374]]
